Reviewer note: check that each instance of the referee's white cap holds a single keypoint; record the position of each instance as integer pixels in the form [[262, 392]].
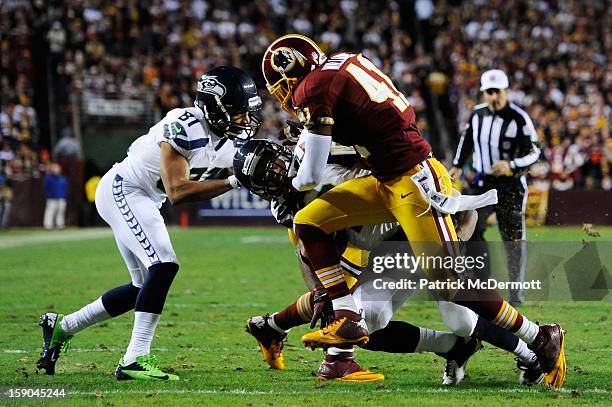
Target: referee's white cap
[[493, 79]]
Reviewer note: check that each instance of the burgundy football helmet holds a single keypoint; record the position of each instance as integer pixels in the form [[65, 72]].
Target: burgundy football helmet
[[286, 61]]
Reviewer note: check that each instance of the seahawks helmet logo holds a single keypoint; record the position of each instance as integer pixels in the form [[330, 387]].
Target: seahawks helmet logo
[[211, 85]]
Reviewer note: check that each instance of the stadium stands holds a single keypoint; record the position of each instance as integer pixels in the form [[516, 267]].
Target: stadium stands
[[557, 56], [152, 50]]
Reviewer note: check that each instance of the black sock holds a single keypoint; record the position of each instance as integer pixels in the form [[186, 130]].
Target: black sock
[[396, 337], [120, 299], [495, 335], [152, 296]]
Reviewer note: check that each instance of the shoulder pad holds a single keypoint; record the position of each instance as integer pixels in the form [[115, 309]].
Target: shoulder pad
[[183, 126]]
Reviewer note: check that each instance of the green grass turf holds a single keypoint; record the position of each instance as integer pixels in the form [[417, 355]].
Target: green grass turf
[[226, 276]]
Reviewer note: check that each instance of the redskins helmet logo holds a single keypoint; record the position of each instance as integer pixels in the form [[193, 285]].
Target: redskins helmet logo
[[211, 85], [283, 59]]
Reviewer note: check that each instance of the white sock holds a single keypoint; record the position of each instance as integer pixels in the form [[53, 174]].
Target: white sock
[[346, 303], [272, 323], [524, 354], [528, 331], [87, 316], [142, 336], [336, 351], [436, 341]]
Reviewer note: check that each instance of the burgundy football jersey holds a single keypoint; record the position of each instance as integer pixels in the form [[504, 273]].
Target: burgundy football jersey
[[365, 110]]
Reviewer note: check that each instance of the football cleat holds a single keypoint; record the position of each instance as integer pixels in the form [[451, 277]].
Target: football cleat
[[343, 368], [269, 339], [457, 358], [341, 331], [529, 374], [549, 348], [144, 368], [55, 340]]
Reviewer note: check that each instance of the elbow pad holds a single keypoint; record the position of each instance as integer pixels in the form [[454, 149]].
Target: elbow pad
[[316, 151]]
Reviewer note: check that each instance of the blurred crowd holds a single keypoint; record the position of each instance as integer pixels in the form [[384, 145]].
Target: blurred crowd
[[132, 49], [555, 52], [557, 56]]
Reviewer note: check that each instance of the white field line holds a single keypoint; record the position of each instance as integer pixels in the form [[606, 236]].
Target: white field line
[[178, 350], [214, 305], [81, 350], [7, 241], [161, 350], [246, 392], [180, 305], [259, 239], [155, 350]]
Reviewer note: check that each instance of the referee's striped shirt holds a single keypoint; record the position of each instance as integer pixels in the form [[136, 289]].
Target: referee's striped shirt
[[508, 134]]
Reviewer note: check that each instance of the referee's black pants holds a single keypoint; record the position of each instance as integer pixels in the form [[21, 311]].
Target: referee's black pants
[[510, 212]]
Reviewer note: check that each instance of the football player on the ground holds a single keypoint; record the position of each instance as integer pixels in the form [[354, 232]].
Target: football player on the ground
[[262, 167], [167, 162], [266, 173], [345, 98]]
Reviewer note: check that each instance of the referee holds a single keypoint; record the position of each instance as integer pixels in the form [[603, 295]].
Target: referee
[[501, 139]]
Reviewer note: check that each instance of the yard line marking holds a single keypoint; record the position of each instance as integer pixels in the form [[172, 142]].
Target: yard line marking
[[44, 237], [161, 350], [81, 350], [178, 305], [214, 305], [260, 239], [543, 390]]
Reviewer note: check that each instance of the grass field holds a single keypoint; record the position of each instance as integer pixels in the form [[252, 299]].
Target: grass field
[[226, 276]]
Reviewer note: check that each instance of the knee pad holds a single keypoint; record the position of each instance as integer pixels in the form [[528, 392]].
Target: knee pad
[[377, 314], [152, 296], [168, 267], [460, 320]]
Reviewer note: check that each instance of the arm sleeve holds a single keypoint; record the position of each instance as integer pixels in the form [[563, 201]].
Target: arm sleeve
[[527, 152], [312, 167], [466, 144]]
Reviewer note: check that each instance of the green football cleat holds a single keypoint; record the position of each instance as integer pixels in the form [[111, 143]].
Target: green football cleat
[[55, 340], [145, 368]]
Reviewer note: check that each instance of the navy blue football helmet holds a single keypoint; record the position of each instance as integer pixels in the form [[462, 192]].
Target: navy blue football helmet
[[224, 92]]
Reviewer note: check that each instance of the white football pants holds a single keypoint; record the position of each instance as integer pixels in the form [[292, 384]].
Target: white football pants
[[379, 311], [139, 228]]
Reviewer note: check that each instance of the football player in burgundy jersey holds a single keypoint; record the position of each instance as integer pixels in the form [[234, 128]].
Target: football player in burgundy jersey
[[347, 99]]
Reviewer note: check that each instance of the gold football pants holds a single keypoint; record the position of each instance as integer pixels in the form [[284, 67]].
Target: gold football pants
[[366, 201]]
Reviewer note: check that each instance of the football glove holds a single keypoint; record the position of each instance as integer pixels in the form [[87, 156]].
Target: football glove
[[322, 309], [290, 134]]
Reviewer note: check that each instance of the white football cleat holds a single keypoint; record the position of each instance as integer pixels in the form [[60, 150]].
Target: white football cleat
[[453, 373], [456, 360]]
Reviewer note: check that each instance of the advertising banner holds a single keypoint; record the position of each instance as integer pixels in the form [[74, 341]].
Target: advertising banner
[[235, 203]]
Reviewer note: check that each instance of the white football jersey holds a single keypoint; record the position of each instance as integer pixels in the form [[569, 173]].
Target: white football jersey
[[188, 133], [284, 208]]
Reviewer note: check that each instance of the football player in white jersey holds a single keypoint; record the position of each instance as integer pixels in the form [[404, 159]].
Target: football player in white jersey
[[165, 163], [264, 168]]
